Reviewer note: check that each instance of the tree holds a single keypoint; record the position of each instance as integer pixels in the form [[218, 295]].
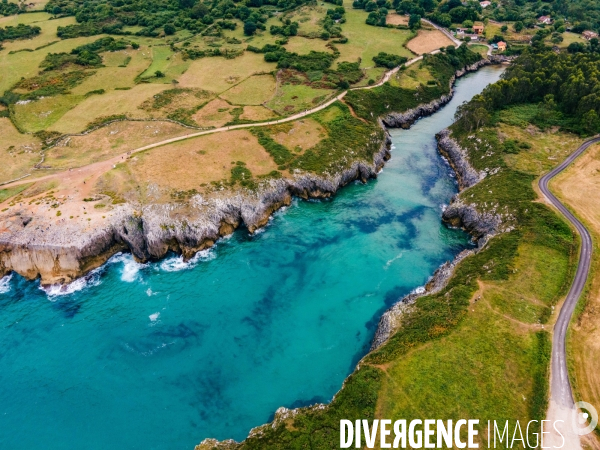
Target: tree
[[414, 22], [576, 47], [199, 11], [504, 28], [186, 4], [518, 26], [169, 29], [591, 121], [159, 74], [249, 28]]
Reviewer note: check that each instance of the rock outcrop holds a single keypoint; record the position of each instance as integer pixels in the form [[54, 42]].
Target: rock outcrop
[[407, 118], [481, 225], [62, 250]]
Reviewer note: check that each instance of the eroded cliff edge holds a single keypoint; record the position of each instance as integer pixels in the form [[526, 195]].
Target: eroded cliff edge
[[481, 225], [32, 247]]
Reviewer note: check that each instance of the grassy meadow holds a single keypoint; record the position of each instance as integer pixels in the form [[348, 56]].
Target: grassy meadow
[[243, 89]]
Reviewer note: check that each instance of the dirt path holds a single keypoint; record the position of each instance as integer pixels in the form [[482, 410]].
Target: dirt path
[[79, 174]]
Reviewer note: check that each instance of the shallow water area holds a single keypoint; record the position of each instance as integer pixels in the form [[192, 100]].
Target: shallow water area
[[165, 354]]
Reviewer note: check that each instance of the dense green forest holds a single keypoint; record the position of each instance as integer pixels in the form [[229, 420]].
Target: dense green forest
[[565, 87]]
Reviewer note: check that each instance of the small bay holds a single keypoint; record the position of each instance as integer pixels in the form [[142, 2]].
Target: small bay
[[162, 355]]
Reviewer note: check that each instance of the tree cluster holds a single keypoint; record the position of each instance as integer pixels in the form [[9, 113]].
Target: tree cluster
[[444, 13], [377, 9], [161, 16], [581, 14], [21, 31], [388, 60], [8, 8], [87, 55], [566, 86]]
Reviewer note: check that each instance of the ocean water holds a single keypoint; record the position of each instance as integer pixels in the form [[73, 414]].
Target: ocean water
[[165, 354]]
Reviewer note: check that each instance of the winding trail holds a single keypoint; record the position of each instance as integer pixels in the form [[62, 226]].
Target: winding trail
[[561, 396], [103, 166]]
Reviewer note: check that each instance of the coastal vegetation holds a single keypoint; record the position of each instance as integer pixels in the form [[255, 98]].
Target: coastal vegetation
[[576, 187], [479, 343], [470, 349]]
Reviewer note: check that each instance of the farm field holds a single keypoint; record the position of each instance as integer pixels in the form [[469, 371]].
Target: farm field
[[427, 41], [365, 41], [154, 78], [577, 188]]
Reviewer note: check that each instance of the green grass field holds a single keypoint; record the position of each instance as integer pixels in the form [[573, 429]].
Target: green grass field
[[290, 98], [365, 41], [254, 90], [42, 114]]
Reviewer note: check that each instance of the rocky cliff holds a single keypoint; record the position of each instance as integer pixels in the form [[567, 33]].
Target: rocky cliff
[[60, 251], [407, 118], [481, 225]]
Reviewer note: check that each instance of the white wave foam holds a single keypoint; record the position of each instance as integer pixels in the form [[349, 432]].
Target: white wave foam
[[419, 290], [150, 352], [5, 284], [154, 317], [58, 290], [131, 268], [390, 261], [177, 263]]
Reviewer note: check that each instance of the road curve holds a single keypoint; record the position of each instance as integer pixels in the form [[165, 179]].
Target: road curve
[[560, 386]]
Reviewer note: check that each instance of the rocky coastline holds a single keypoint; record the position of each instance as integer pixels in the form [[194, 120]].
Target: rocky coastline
[[481, 225], [60, 254], [407, 118]]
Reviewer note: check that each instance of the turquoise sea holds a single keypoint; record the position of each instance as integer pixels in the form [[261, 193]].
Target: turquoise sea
[[163, 355]]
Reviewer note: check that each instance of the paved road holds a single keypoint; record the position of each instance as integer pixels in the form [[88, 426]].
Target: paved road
[[560, 386]]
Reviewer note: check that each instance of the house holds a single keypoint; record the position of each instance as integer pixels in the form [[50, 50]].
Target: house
[[485, 4], [460, 31], [478, 29], [546, 20], [501, 46], [589, 35]]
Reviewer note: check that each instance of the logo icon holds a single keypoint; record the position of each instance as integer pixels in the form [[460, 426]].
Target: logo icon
[[584, 418]]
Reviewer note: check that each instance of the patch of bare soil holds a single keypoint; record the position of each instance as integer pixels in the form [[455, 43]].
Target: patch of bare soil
[[427, 41]]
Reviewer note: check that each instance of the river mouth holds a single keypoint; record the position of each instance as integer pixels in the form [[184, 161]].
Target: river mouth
[[162, 355]]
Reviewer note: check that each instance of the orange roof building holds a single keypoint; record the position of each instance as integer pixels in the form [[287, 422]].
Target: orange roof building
[[478, 29]]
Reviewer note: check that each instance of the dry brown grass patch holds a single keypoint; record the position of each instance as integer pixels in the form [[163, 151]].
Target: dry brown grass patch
[[109, 141], [428, 40], [300, 135], [396, 19], [252, 91], [18, 152], [170, 101], [219, 74], [187, 164], [256, 113], [214, 114]]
